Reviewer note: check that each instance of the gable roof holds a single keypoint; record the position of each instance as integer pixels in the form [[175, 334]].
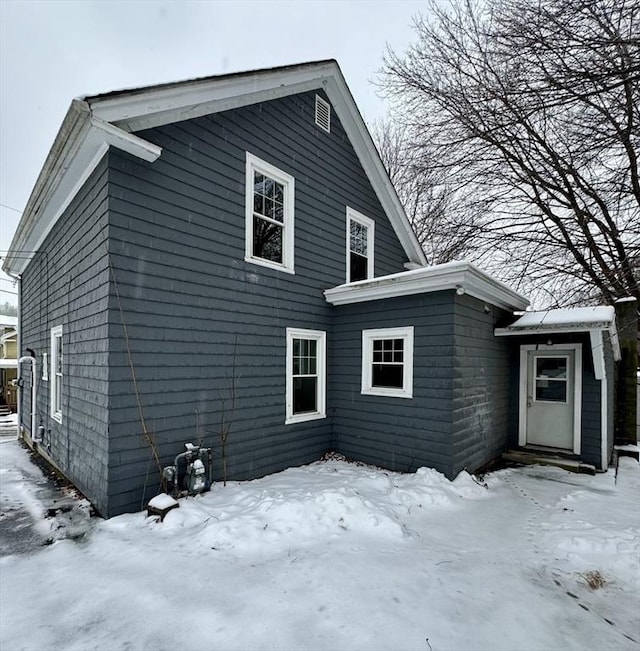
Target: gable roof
[[93, 124]]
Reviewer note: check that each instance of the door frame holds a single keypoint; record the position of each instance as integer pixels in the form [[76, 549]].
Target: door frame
[[560, 349]]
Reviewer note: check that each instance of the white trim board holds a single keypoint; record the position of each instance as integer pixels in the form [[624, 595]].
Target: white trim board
[[464, 277], [577, 389], [108, 119]]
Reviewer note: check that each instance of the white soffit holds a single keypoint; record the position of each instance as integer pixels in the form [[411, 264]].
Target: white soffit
[[464, 277], [568, 320], [152, 107], [94, 123]]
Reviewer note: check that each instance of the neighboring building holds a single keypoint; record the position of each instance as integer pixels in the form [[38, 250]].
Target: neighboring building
[[8, 361], [236, 243]]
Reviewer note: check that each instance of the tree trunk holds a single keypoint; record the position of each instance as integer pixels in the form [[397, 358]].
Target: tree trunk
[[626, 377]]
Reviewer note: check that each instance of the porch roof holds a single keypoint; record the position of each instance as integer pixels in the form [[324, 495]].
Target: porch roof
[[461, 276], [594, 320]]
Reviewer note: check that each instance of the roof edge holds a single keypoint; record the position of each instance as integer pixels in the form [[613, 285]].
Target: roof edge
[[461, 276]]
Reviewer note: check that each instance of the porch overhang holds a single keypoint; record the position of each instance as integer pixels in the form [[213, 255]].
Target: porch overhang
[[463, 277], [594, 320]]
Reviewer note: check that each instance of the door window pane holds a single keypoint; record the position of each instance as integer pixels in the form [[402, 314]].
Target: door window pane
[[551, 379]]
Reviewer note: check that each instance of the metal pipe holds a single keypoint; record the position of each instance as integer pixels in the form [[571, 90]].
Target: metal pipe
[[34, 380]]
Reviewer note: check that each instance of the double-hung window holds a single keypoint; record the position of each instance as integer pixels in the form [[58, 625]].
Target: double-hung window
[[387, 362], [360, 235], [306, 375], [56, 373], [269, 215]]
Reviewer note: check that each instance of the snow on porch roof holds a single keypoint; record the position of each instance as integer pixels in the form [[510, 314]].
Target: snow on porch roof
[[575, 319], [565, 320]]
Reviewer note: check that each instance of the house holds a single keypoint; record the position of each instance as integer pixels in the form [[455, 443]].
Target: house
[[228, 253], [8, 361]]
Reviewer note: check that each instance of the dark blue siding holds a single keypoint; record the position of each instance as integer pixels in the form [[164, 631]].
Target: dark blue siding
[[397, 433], [591, 396], [191, 303], [480, 385], [67, 283]]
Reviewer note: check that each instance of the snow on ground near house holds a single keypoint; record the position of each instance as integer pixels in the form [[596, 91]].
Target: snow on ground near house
[[339, 556]]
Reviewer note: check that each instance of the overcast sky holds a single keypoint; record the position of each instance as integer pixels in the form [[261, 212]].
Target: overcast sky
[[51, 52]]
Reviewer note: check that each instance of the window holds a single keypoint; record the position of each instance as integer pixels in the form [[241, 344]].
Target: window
[[306, 375], [360, 231], [269, 215], [387, 362], [56, 373], [551, 379], [323, 114]]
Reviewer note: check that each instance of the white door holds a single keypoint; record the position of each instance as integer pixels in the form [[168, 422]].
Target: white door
[[550, 406]]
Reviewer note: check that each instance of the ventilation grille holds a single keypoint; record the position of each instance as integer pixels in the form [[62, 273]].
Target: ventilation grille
[[323, 114]]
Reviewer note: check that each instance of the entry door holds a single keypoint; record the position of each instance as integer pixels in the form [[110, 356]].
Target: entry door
[[551, 405]]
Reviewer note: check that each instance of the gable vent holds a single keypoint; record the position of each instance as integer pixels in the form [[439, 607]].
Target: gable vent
[[323, 114]]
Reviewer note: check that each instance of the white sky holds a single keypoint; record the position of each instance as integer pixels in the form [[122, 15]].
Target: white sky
[[51, 52]]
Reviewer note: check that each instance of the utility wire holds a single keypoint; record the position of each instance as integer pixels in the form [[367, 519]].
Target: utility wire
[[4, 205]]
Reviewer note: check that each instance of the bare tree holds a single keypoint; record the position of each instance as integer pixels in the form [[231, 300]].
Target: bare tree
[[439, 213], [532, 109]]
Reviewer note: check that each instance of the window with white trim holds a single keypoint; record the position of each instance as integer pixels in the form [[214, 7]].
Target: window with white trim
[[56, 373], [269, 215], [360, 236], [387, 362], [306, 375]]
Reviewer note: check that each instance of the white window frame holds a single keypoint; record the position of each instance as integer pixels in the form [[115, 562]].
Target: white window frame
[[368, 337], [56, 378], [255, 164], [320, 337], [354, 215]]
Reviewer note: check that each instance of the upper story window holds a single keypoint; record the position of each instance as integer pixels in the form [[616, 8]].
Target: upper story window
[[269, 215], [56, 373], [387, 362], [360, 235], [306, 375]]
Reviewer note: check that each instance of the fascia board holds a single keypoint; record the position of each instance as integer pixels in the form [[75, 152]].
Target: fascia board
[[79, 150], [151, 107], [565, 328], [367, 153], [455, 275], [156, 107], [65, 146]]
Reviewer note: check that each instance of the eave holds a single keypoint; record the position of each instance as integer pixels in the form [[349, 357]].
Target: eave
[[92, 124], [463, 277], [80, 144]]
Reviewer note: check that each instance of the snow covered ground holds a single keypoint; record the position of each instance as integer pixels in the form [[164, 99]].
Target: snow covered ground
[[340, 556]]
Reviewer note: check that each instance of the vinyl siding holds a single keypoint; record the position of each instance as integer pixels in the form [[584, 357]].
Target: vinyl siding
[[397, 433], [67, 283], [480, 385], [591, 399], [194, 308]]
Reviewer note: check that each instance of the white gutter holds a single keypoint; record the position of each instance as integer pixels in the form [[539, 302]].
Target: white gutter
[[464, 277], [34, 382]]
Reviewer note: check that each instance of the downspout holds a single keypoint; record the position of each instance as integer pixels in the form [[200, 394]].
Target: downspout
[[34, 382], [17, 278]]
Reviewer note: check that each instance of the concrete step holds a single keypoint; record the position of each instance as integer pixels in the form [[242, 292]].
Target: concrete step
[[525, 457]]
